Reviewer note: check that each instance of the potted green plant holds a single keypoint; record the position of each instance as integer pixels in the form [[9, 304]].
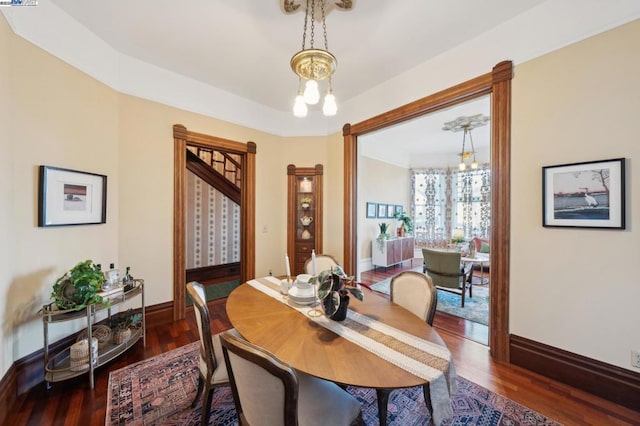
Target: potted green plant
[[334, 289], [383, 235], [122, 323], [78, 287], [406, 224]]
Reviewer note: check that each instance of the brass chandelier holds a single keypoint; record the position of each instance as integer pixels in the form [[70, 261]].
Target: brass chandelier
[[312, 65], [466, 124]]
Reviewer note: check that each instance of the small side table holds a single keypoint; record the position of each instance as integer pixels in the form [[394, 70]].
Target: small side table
[[480, 259]]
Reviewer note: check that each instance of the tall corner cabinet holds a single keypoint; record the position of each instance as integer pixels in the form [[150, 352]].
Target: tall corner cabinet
[[304, 214]]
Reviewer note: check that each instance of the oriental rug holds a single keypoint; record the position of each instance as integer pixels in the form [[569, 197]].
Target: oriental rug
[[159, 391], [475, 309]]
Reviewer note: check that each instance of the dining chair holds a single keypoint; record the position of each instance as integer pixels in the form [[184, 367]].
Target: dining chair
[[324, 262], [416, 293], [447, 272], [212, 370], [268, 392]]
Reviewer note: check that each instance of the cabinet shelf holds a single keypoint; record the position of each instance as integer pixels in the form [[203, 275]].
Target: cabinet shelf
[[57, 366]]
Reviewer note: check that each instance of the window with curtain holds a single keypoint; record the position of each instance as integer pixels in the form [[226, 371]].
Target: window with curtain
[[448, 199]]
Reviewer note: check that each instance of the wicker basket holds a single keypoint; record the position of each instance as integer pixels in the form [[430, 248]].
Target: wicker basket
[[80, 354], [100, 332], [121, 336]]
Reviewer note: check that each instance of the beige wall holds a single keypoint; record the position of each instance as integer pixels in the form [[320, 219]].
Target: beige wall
[[6, 235], [61, 117], [576, 289], [57, 116], [378, 182]]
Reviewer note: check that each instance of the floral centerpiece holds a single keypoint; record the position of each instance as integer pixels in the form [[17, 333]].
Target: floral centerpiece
[[305, 202]]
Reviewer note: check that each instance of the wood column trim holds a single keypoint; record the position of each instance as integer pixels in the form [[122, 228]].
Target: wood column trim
[[179, 248], [500, 210]]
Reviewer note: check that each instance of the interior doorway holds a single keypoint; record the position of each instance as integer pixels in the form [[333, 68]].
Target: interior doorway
[[496, 83], [245, 153]]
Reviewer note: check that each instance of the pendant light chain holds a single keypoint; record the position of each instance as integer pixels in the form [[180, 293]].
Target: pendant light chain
[[324, 28], [313, 19], [304, 33]]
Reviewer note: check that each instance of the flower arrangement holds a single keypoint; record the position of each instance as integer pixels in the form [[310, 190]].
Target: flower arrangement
[[457, 236], [305, 202]]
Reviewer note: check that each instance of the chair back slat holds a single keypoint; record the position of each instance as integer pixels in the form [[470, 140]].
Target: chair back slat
[[443, 267]]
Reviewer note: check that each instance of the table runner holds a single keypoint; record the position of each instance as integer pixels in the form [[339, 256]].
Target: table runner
[[419, 357]]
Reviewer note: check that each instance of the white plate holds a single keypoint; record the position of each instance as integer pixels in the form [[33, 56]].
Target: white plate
[[303, 301], [301, 293]]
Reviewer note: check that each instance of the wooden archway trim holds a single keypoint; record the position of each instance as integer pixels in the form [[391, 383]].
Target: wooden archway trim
[[498, 84], [183, 137]]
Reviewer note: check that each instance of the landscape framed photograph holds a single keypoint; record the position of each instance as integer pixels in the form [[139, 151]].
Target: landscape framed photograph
[[584, 195], [371, 210], [382, 210], [71, 197]]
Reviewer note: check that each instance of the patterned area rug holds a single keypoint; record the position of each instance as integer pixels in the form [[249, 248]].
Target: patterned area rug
[[475, 309], [159, 391]]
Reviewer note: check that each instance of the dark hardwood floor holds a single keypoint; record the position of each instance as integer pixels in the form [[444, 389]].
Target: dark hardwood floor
[[74, 403]]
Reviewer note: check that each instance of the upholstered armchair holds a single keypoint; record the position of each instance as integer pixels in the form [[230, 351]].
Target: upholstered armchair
[[447, 272]]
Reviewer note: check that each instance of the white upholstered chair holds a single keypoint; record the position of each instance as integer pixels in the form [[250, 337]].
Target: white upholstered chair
[[268, 392], [213, 372], [324, 262], [416, 293]]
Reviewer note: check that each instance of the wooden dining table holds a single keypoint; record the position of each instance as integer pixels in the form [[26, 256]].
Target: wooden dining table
[[296, 339]]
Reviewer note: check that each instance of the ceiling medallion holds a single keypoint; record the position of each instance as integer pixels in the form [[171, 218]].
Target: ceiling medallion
[[292, 6]]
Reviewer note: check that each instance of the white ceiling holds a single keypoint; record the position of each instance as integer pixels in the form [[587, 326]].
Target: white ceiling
[[230, 58], [244, 46]]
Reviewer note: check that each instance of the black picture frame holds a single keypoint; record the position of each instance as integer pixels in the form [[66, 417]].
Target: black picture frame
[[382, 211], [71, 197], [584, 195], [398, 209], [371, 210]]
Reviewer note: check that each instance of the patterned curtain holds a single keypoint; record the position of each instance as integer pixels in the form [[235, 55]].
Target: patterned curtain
[[448, 199]]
